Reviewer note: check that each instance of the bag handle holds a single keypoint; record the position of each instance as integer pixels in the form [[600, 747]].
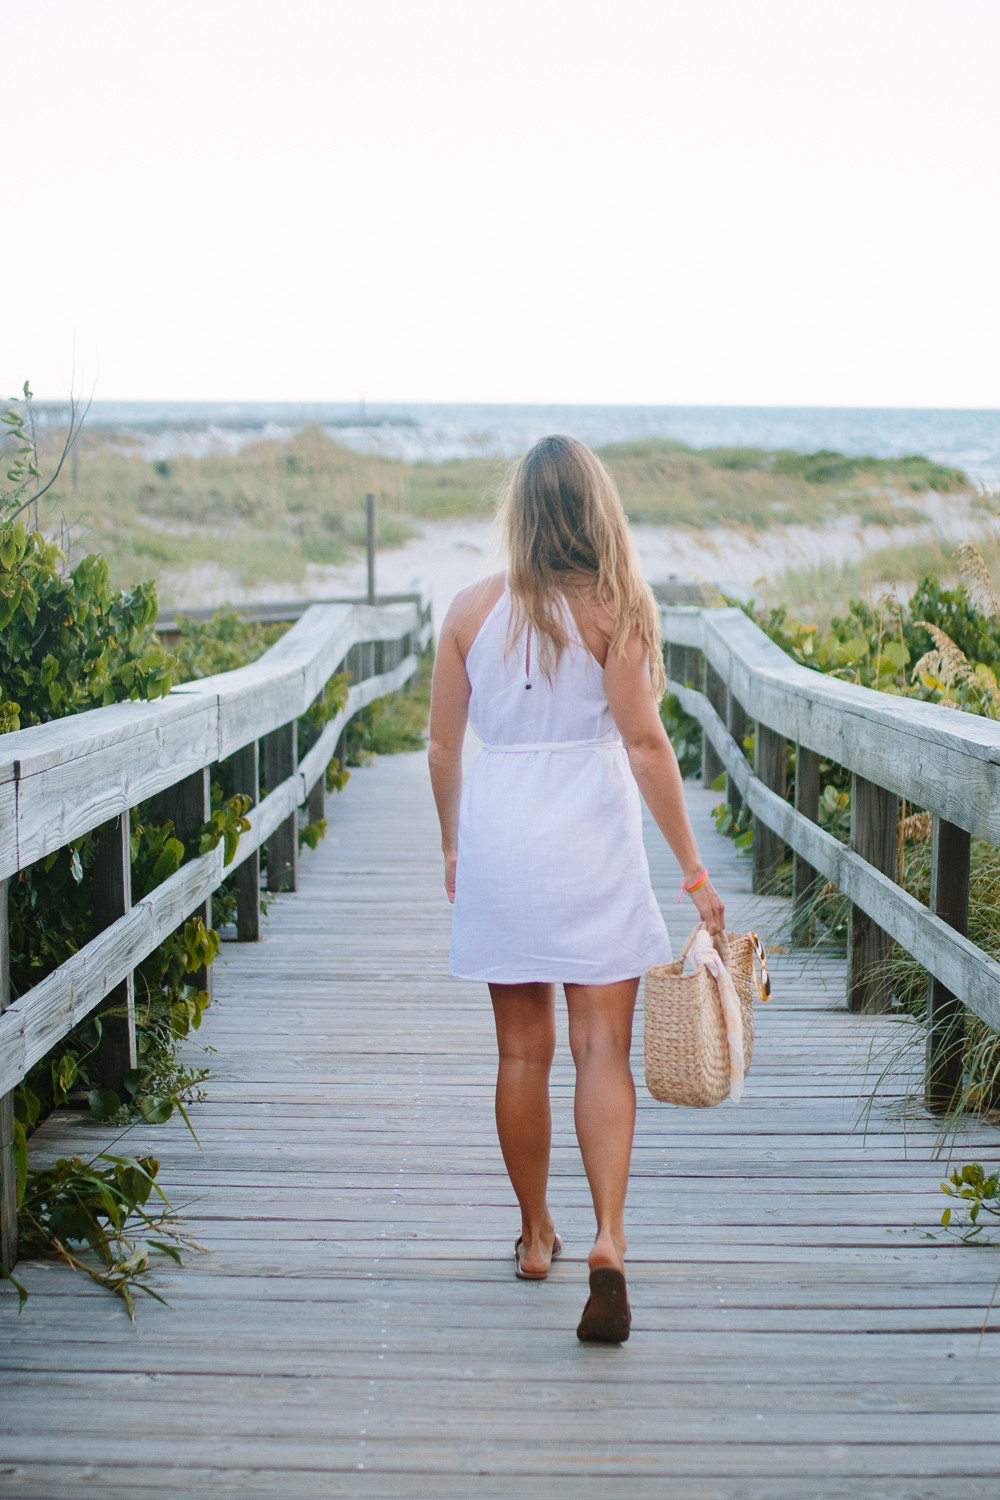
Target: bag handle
[[687, 946], [721, 942]]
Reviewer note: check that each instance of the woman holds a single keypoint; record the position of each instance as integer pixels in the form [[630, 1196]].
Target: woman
[[558, 664]]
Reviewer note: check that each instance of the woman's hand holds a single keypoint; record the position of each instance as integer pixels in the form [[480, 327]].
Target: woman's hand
[[710, 908], [450, 861]]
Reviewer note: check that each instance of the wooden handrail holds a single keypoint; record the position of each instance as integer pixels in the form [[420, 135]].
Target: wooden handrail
[[936, 757], [940, 759], [64, 779], [60, 780]]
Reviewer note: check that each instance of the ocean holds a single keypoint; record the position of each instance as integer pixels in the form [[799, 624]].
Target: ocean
[[414, 431]]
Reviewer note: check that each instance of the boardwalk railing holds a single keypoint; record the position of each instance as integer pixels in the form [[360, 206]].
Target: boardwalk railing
[[725, 671], [64, 779]]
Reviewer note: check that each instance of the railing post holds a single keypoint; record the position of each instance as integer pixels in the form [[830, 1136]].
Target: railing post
[[246, 779], [188, 804], [116, 1054], [316, 796], [874, 815], [769, 760], [692, 667], [691, 676], [736, 723], [951, 849], [280, 761], [8, 1170], [807, 803], [715, 691]]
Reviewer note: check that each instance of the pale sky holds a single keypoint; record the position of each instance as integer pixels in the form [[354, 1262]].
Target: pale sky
[[662, 201]]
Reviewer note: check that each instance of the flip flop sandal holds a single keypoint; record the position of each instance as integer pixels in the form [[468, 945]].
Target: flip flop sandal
[[533, 1275], [607, 1317]]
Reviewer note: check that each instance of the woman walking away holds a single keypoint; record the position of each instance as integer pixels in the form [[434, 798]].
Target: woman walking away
[[558, 665]]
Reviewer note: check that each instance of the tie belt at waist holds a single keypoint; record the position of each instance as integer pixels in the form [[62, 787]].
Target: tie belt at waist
[[601, 744]]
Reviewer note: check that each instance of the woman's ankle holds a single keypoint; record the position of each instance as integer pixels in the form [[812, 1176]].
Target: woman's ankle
[[608, 1250], [541, 1234]]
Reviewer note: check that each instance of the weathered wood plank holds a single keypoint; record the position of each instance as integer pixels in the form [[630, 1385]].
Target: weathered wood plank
[[715, 691], [146, 1482], [316, 760], [965, 969], [358, 1303], [41, 1017], [8, 1172], [951, 850], [77, 773], [935, 757], [60, 780], [874, 817], [769, 759], [806, 803], [255, 700], [736, 721], [246, 781], [188, 805], [279, 757], [116, 1053]]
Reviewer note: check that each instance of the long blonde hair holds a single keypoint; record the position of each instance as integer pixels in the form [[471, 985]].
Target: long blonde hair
[[562, 520]]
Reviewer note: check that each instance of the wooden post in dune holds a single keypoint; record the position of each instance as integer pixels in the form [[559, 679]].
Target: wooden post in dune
[[371, 522]]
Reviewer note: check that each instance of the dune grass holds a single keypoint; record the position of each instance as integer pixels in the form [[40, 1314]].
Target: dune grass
[[670, 483], [267, 513], [817, 593]]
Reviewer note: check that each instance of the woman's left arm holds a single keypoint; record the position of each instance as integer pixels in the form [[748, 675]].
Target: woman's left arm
[[450, 695], [654, 766]]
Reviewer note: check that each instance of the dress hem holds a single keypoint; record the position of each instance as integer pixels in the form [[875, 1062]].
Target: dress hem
[[534, 977]]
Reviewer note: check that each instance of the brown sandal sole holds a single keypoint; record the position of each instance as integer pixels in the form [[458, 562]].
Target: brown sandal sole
[[607, 1318]]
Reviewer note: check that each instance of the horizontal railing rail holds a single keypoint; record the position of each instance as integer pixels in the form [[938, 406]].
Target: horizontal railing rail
[[274, 611], [77, 775], [726, 672]]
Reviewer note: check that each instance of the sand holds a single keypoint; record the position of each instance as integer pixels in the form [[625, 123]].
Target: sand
[[453, 554]]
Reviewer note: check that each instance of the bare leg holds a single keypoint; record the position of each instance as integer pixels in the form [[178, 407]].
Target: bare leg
[[600, 1037], [526, 1037]]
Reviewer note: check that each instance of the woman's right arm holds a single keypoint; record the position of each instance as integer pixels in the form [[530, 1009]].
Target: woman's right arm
[[654, 766], [450, 693]]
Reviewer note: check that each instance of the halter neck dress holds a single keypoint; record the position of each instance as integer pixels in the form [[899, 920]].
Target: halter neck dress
[[552, 883]]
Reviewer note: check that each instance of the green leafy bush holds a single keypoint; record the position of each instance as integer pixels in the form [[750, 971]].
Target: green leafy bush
[[229, 639], [76, 1205], [392, 725], [942, 646], [67, 642], [684, 733], [978, 1193]]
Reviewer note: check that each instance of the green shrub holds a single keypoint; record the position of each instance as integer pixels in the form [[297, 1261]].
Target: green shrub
[[889, 648], [684, 733]]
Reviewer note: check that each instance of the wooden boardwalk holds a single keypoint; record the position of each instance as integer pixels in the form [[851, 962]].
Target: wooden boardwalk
[[357, 1329]]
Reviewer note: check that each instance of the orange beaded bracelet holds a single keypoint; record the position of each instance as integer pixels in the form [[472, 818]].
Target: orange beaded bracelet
[[687, 889]]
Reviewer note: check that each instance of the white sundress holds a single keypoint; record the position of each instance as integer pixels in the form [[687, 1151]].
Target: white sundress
[[552, 883]]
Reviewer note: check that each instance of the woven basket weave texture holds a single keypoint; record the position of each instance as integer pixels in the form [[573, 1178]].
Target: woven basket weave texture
[[686, 1049]]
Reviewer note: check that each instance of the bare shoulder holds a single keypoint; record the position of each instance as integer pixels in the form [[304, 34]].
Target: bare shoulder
[[602, 618], [469, 609]]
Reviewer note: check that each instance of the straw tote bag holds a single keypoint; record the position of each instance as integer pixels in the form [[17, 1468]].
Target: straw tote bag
[[686, 1045]]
